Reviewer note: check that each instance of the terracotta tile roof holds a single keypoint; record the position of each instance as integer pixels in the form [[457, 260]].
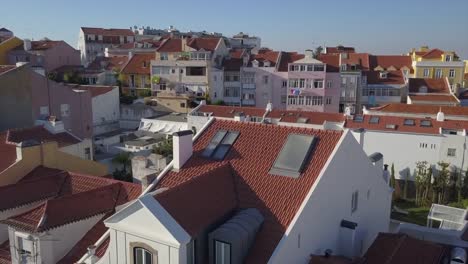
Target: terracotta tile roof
[[44, 44], [398, 121], [66, 209], [230, 111], [332, 61], [108, 63], [255, 188], [433, 85], [386, 61], [233, 64], [5, 68], [213, 192], [107, 32], [236, 53], [286, 58], [448, 98], [5, 255], [171, 45], [140, 63], [208, 44], [433, 54], [7, 152], [95, 90], [393, 77], [32, 191], [39, 172], [40, 134], [422, 109], [266, 55], [339, 49], [403, 249], [361, 60]]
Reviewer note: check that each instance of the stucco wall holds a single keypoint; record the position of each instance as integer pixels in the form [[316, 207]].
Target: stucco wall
[[317, 227]]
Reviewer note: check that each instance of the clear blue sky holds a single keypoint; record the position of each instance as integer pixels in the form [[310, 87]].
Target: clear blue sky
[[375, 26]]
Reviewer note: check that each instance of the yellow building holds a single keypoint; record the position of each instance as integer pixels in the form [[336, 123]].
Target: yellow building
[[436, 63], [136, 75], [6, 46]]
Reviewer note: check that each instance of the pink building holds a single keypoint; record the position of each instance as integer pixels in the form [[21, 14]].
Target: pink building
[[45, 54], [311, 87]]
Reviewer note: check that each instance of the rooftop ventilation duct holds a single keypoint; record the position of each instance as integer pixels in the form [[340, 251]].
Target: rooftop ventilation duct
[[233, 239]]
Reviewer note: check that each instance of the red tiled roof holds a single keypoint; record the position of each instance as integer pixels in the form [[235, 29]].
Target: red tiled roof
[[230, 111], [95, 90], [7, 152], [5, 68], [433, 54], [214, 188], [140, 63], [433, 85], [266, 55], [422, 109], [403, 249], [278, 198], [398, 121], [393, 77], [236, 53], [386, 61], [447, 98], [40, 134], [339, 49], [44, 44], [361, 60], [332, 61], [208, 44], [108, 63], [107, 32], [67, 209], [5, 253], [233, 64], [286, 58], [171, 45]]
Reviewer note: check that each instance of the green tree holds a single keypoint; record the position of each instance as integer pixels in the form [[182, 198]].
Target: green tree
[[442, 182], [318, 51], [123, 159], [420, 180], [405, 186], [164, 148], [465, 185], [459, 184]]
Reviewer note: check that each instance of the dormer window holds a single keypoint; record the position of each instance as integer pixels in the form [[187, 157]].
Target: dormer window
[[343, 67], [448, 57], [383, 75]]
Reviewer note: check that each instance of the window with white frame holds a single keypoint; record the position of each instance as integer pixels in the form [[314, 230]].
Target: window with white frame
[[319, 67], [285, 84], [426, 72], [301, 83], [308, 100], [354, 201], [451, 152], [343, 80], [317, 100], [329, 84], [222, 252], [310, 67], [328, 100], [25, 247], [452, 73], [300, 100], [303, 68], [448, 58], [438, 73], [64, 110], [142, 256]]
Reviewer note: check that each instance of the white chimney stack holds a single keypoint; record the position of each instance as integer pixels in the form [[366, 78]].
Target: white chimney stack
[[92, 254], [182, 148], [239, 117], [440, 116], [27, 44], [309, 54], [269, 107]]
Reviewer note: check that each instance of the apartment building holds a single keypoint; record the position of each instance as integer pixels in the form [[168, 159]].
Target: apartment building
[[136, 74], [244, 41], [383, 87], [92, 42], [311, 87], [44, 55], [436, 63], [188, 65]]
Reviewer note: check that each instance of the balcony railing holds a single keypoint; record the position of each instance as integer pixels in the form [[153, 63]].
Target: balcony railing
[[248, 86]]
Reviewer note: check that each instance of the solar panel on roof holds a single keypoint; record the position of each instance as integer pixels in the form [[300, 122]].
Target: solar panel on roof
[[293, 155], [408, 122], [426, 123], [374, 120]]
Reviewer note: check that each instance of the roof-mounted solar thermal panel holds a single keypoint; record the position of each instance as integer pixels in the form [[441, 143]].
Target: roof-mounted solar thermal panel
[[215, 141], [293, 155], [225, 145]]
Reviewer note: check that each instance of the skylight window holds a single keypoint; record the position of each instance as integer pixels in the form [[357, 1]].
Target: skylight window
[[358, 118], [426, 123], [293, 155], [374, 120], [220, 144], [302, 120], [409, 122]]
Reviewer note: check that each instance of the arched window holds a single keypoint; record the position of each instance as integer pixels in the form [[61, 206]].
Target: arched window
[[142, 256]]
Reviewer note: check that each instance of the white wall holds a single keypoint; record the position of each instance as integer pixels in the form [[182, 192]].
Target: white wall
[[329, 202], [106, 109], [78, 150], [12, 212], [404, 149]]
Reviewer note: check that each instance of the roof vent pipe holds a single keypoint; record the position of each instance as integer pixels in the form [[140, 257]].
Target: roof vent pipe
[[92, 254], [440, 116]]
